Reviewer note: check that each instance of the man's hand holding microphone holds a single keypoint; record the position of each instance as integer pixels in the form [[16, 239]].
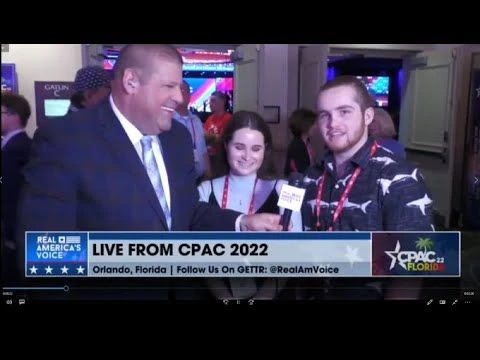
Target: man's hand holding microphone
[[290, 198]]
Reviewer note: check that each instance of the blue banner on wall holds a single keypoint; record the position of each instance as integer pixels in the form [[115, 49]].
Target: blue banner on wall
[[9, 78], [52, 99]]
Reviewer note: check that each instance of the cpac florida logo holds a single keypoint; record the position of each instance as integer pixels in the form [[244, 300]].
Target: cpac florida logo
[[422, 260]]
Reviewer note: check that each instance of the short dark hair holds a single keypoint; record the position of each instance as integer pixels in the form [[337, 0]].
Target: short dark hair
[[17, 104], [140, 56], [362, 97], [251, 120], [220, 95], [301, 120]]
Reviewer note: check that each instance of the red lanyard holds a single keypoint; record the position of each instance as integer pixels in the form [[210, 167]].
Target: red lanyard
[[225, 195], [344, 196]]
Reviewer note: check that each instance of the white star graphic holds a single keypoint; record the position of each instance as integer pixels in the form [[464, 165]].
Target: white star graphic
[[80, 269], [33, 270], [352, 255], [48, 270], [478, 92], [64, 270], [393, 254]]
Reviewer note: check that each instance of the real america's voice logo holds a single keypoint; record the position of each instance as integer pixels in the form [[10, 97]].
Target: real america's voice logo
[[56, 254], [50, 248], [423, 259]]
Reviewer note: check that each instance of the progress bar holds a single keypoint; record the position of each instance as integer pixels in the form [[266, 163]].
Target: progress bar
[[62, 288]]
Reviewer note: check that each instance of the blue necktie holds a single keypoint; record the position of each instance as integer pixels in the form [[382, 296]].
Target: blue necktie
[[154, 175]]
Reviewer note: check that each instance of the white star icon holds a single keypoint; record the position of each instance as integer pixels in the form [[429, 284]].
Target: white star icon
[[48, 270], [80, 269], [352, 255], [33, 270], [393, 255], [64, 269]]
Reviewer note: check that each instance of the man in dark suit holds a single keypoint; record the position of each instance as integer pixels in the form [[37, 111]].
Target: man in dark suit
[[125, 165], [15, 151]]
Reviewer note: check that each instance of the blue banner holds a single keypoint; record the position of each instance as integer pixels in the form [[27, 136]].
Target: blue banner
[[57, 254], [9, 78], [241, 254]]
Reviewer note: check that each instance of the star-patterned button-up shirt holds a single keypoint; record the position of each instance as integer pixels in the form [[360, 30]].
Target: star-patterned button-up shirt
[[389, 194]]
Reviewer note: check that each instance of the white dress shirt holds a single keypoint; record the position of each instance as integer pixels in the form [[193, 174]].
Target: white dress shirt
[[135, 136]]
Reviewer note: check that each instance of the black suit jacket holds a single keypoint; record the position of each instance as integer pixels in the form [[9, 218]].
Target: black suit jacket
[[84, 174], [15, 155]]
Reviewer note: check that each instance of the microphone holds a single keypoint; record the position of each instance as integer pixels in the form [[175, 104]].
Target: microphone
[[291, 198]]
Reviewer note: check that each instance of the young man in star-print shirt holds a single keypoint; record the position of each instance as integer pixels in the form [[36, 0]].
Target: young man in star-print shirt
[[380, 191]]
